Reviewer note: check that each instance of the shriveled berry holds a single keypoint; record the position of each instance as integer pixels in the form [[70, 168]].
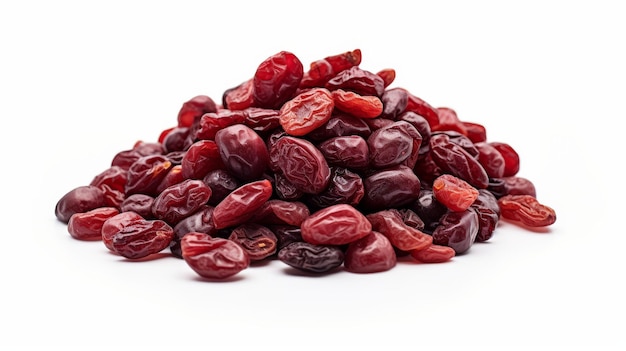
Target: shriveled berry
[[142, 238], [457, 230], [434, 254], [311, 258], [454, 193], [241, 204], [527, 210], [276, 80], [88, 225], [301, 163], [362, 106], [242, 151], [181, 200], [370, 254], [306, 112], [80, 199], [213, 258], [258, 241], [194, 109], [335, 225], [404, 237]]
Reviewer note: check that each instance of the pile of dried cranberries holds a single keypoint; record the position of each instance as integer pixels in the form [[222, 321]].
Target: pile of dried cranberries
[[322, 169]]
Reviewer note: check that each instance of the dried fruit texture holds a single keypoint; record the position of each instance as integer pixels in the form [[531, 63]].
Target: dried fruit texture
[[454, 193], [434, 254], [371, 254], [141, 238], [241, 204], [401, 236], [527, 210], [213, 258], [318, 169], [307, 111], [311, 258], [88, 225], [276, 80], [335, 225], [357, 105]]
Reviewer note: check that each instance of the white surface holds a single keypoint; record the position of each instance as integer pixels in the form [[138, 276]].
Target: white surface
[[80, 82]]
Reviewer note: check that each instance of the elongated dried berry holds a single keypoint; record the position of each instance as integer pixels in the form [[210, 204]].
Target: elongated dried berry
[[213, 258], [371, 254], [310, 257], [526, 209], [335, 225]]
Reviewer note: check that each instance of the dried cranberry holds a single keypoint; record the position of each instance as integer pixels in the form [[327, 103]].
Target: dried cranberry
[[213, 258]]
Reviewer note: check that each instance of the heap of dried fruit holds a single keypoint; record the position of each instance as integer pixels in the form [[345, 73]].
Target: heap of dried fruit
[[320, 169]]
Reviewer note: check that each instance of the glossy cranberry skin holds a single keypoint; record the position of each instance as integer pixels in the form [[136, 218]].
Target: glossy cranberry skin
[[311, 258], [241, 204], [511, 158], [345, 187], [301, 163], [80, 199], [306, 112], [454, 193], [394, 101], [340, 124], [359, 81], [213, 258], [335, 225], [88, 225], [211, 123], [145, 175], [194, 108], [281, 212], [390, 188], [516, 185], [142, 238], [180, 200], [201, 222], [201, 158], [457, 230], [221, 183], [346, 151], [276, 80], [115, 224], [371, 254], [258, 241], [428, 209], [139, 203], [177, 139], [454, 159], [491, 159], [391, 224], [392, 144], [242, 151]]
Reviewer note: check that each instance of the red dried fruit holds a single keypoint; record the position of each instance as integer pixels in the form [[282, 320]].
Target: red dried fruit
[[241, 204], [335, 225], [276, 80], [362, 106], [434, 254], [141, 238], [306, 112], [88, 225], [454, 193], [370, 254], [213, 258], [390, 224], [194, 109], [527, 210]]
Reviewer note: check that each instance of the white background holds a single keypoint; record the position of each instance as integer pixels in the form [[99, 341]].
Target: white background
[[80, 81]]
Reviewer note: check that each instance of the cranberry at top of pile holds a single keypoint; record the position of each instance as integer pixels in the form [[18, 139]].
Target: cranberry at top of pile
[[322, 169]]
